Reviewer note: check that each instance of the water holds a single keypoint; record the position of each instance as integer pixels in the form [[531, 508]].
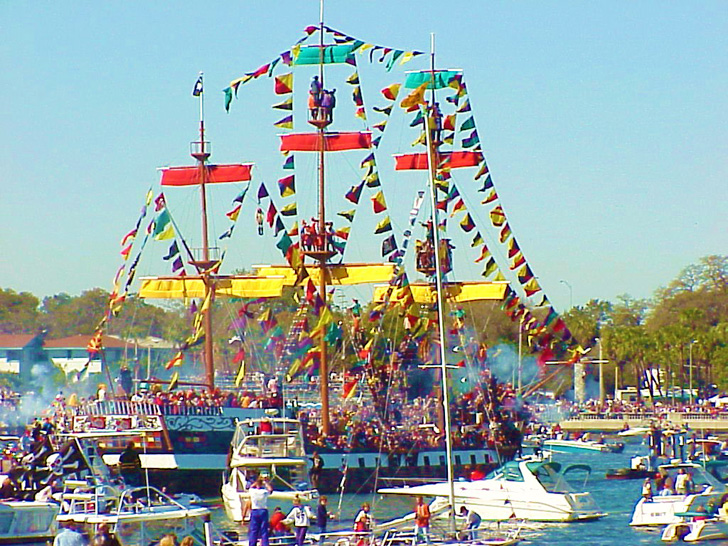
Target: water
[[616, 497]]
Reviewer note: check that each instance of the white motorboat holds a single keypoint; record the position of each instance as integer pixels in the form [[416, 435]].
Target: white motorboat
[[580, 446], [667, 509], [697, 530], [135, 515], [531, 488], [268, 446]]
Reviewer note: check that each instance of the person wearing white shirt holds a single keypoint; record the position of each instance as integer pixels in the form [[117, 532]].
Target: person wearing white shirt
[[258, 527], [301, 517]]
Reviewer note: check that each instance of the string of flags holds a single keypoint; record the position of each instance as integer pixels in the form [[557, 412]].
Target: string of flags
[[351, 47]]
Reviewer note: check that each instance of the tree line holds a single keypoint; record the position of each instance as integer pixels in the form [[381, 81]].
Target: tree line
[[688, 318]]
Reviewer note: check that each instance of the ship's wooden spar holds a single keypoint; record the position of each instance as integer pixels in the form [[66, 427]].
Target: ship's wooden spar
[[336, 275], [227, 286], [457, 292]]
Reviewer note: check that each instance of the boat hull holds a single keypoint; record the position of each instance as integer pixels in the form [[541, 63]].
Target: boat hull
[[664, 510], [696, 531]]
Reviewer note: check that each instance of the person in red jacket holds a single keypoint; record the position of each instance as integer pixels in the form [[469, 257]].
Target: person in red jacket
[[277, 527]]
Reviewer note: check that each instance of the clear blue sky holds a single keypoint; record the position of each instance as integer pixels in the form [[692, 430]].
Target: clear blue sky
[[605, 124]]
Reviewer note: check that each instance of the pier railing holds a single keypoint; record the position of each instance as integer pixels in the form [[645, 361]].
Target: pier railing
[[647, 415], [614, 421]]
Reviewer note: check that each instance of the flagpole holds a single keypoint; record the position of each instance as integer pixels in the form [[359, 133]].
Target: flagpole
[[433, 160], [202, 154]]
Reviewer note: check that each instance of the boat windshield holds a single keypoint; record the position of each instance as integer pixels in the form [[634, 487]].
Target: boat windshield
[[550, 477], [509, 472], [701, 479]]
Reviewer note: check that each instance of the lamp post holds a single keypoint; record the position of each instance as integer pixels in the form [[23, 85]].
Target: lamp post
[[601, 373], [690, 367], [571, 293]]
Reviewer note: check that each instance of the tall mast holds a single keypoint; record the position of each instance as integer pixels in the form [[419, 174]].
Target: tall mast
[[323, 256], [432, 162], [201, 152]]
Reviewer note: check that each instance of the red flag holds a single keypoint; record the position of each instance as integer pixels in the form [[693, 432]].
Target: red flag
[[453, 160], [215, 174], [333, 142], [271, 216]]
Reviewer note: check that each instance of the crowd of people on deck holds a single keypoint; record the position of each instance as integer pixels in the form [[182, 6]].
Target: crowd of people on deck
[[312, 238]]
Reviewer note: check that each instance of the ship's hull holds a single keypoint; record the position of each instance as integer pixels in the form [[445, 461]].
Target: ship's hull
[[189, 452]]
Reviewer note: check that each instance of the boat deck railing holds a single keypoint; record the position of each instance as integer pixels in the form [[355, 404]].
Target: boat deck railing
[[272, 445], [126, 407]]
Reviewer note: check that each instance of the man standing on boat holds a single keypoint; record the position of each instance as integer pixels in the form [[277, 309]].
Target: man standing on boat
[[422, 520], [130, 465], [317, 467], [258, 527], [472, 522]]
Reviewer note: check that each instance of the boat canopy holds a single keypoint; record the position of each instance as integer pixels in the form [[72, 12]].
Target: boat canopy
[[332, 54], [455, 292], [342, 275], [190, 287], [442, 78], [535, 466]]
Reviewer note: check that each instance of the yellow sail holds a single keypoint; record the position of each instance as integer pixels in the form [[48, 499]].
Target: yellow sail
[[194, 287], [454, 292], [338, 275]]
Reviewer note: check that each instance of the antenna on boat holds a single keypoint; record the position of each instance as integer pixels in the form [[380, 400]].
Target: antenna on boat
[[201, 152], [432, 162]]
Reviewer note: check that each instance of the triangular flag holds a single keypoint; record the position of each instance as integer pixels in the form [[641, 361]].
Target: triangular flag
[[492, 196], [233, 214], [285, 123], [285, 105], [348, 214], [391, 91], [497, 216], [284, 84], [467, 223], [378, 202], [384, 225], [289, 210], [505, 233], [286, 186], [354, 193]]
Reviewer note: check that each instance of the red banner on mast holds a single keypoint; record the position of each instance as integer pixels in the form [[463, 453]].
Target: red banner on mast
[[333, 142], [454, 160], [216, 174]]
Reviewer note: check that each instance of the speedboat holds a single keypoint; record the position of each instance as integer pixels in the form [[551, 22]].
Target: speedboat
[[640, 467], [696, 530], [578, 446], [266, 446], [135, 515], [676, 508], [531, 488]]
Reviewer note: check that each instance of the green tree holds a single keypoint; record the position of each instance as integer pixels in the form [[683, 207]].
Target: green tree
[[64, 315], [18, 312]]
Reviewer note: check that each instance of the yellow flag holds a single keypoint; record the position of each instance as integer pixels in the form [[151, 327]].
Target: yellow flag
[[241, 373], [416, 97]]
